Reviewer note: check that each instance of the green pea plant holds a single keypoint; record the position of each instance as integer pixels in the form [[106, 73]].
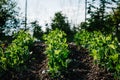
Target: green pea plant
[[82, 38], [17, 53], [103, 48], [57, 52]]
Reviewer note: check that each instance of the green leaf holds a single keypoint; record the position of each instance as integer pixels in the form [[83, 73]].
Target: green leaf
[[112, 46], [94, 54], [114, 57], [118, 67], [57, 52]]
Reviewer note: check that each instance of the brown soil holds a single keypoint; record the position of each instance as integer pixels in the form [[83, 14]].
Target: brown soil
[[81, 67]]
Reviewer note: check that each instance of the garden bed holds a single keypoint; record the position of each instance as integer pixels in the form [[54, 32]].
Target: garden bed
[[81, 67]]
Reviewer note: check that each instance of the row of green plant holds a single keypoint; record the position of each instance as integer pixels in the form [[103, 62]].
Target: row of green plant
[[57, 52], [104, 49], [17, 53]]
